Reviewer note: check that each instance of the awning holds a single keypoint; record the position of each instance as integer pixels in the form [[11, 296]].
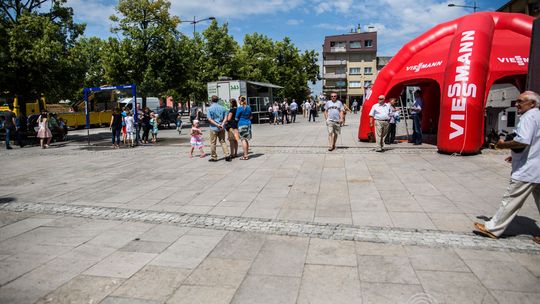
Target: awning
[[264, 84]]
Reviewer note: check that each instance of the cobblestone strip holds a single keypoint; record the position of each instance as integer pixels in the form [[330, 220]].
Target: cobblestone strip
[[431, 238]]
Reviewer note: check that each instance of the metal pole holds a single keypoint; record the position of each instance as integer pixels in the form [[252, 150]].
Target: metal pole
[[194, 23], [134, 93], [87, 116], [404, 116], [474, 6]]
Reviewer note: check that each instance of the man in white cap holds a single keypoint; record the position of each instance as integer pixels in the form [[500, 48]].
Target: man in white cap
[[380, 117]]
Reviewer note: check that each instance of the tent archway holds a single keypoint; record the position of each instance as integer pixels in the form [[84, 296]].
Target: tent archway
[[464, 57]]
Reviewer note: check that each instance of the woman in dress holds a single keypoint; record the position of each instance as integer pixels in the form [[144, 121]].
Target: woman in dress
[[243, 116], [44, 133]]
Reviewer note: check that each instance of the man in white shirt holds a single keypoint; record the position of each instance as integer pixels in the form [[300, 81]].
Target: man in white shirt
[[380, 117], [333, 114], [525, 158]]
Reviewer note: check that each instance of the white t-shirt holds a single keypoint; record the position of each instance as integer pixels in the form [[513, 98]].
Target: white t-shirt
[[380, 112], [333, 109], [526, 164], [130, 124]]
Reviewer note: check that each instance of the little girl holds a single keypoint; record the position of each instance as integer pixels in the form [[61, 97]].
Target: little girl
[[196, 139], [154, 124]]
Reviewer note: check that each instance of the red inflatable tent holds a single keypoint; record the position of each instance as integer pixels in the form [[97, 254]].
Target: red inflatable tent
[[455, 64]]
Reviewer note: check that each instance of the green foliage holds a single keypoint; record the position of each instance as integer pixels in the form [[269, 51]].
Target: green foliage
[[36, 45], [42, 53]]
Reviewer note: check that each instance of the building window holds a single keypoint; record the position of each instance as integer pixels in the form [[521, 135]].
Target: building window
[[367, 83], [368, 71], [354, 84], [368, 43], [355, 71], [355, 44], [337, 43]]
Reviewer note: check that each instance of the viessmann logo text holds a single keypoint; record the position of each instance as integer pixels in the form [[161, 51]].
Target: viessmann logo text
[[516, 59], [422, 65], [461, 89]]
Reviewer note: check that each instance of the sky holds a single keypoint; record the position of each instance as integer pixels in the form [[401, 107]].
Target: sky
[[306, 22]]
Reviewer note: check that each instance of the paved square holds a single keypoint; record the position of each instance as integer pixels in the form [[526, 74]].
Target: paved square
[[293, 224]]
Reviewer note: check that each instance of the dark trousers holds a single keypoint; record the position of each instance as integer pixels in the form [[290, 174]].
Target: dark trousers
[[391, 137], [293, 115], [116, 135], [312, 113], [284, 117], [146, 130], [137, 133], [417, 129]]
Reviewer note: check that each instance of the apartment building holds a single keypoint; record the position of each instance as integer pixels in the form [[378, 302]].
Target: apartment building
[[349, 64]]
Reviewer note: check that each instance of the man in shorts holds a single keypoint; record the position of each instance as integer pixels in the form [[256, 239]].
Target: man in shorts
[[333, 114]]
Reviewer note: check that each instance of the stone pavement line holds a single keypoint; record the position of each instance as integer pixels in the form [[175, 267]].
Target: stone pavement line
[[430, 238]]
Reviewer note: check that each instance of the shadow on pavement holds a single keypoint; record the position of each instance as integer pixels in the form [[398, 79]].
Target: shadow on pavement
[[6, 200]]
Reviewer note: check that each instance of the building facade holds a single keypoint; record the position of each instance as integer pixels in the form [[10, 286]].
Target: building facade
[[527, 7], [349, 64]]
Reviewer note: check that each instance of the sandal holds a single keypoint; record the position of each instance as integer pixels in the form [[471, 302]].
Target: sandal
[[481, 229], [536, 239], [244, 158]]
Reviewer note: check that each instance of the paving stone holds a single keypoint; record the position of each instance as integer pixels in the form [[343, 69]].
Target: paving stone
[[329, 284], [381, 293], [152, 283], [237, 245], [202, 294], [454, 287], [83, 289], [219, 272], [187, 252], [22, 226], [267, 290], [439, 259], [145, 246], [386, 269], [120, 264], [284, 256], [511, 297], [504, 275], [121, 300], [331, 252]]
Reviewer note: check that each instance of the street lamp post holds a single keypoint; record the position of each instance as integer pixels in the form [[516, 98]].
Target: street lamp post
[[195, 21], [474, 7]]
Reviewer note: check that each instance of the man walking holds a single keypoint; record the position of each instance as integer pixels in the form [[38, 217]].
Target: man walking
[[355, 106], [525, 158], [294, 110], [417, 117], [217, 118], [312, 110], [380, 116], [333, 114], [284, 111], [10, 125]]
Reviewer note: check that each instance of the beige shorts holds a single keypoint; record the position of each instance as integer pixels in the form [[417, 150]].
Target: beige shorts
[[333, 127]]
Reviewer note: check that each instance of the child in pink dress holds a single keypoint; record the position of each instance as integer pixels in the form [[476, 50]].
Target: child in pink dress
[[196, 139]]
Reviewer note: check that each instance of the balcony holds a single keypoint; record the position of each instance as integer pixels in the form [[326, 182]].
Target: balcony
[[335, 76], [335, 62], [338, 49]]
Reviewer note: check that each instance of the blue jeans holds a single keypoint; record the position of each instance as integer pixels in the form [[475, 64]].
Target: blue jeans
[[417, 129], [116, 133], [8, 133]]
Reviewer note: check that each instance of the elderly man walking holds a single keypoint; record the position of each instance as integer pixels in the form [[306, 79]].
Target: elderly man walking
[[217, 118], [525, 158], [333, 113], [380, 117]]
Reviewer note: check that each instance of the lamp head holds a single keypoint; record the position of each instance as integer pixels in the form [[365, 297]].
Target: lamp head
[[451, 4]]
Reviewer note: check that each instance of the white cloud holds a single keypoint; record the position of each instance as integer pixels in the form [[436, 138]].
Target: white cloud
[[335, 27], [230, 9], [324, 6], [294, 21]]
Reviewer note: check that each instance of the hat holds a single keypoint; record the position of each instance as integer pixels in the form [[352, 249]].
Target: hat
[[381, 96]]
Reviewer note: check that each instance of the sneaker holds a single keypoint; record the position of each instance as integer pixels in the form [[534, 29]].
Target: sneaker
[[228, 158], [212, 160], [9, 147]]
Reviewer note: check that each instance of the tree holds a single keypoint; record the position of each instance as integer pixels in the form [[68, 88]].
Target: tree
[[35, 48], [147, 28]]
